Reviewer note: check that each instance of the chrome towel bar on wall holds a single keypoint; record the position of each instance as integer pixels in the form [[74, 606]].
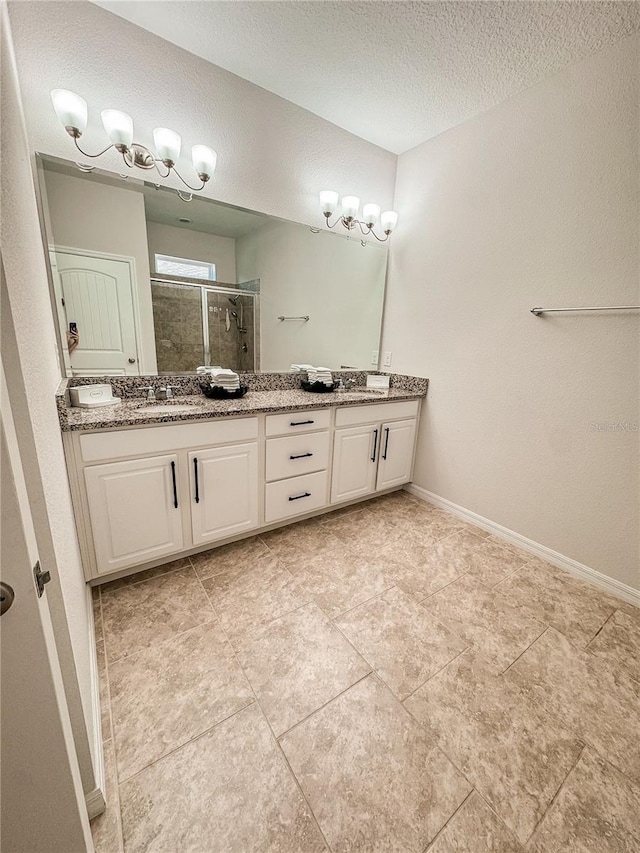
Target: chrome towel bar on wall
[[305, 318], [539, 311]]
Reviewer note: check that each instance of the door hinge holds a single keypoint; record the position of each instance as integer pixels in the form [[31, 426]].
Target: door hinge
[[62, 300], [41, 578]]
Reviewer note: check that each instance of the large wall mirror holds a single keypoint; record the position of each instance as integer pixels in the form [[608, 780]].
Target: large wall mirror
[[145, 282]]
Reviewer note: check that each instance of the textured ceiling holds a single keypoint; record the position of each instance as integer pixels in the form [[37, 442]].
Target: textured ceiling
[[394, 73]]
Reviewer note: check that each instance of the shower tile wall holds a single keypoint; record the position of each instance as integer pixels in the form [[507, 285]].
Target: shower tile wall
[[177, 320], [177, 317], [232, 348]]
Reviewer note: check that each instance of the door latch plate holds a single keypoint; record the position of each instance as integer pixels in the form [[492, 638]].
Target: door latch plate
[[41, 578]]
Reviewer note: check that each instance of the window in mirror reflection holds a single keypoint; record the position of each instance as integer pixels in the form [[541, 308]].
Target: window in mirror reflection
[[184, 268]]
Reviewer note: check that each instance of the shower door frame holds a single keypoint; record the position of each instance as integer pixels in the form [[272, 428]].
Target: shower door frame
[[204, 310]]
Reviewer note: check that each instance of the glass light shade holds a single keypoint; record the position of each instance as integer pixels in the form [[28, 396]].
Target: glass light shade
[[371, 214], [70, 108], [204, 160], [167, 143], [389, 220], [350, 206], [118, 127], [328, 201]]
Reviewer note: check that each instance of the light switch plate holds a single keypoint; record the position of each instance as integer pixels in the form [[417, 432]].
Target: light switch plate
[[374, 356], [386, 360]]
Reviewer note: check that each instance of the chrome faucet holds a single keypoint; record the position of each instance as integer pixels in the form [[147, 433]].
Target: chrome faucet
[[165, 393], [151, 393]]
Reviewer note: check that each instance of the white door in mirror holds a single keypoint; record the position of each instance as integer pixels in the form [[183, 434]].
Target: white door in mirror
[[97, 296]]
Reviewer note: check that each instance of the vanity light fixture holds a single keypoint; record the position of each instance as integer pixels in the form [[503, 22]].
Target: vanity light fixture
[[349, 207], [71, 109]]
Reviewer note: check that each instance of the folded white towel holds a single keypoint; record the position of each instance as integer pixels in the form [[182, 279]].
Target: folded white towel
[[297, 368]]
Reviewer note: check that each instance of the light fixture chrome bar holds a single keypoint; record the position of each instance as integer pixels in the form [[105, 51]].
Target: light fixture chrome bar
[[305, 318], [539, 311]]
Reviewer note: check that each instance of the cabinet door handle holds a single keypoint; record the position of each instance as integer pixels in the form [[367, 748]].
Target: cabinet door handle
[[195, 473], [175, 486], [301, 455], [386, 442], [297, 497], [300, 423], [375, 445]]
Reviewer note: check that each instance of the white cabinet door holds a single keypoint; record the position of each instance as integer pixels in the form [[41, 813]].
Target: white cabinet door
[[354, 462], [135, 512], [396, 453], [224, 491]]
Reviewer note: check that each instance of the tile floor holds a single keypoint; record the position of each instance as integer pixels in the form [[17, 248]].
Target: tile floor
[[384, 678]]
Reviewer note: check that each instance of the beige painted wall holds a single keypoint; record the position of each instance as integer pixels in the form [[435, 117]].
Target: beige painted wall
[[195, 246], [30, 359], [535, 202], [337, 282], [86, 214]]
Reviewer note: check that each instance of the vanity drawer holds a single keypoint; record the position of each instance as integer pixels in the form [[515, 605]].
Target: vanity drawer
[[295, 496], [375, 412], [295, 422], [292, 455]]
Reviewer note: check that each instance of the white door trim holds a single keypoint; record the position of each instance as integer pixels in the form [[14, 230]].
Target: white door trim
[[579, 570]]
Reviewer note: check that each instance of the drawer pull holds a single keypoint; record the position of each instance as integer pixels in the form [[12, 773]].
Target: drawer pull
[[297, 497], [375, 445], [386, 443], [195, 474], [301, 455], [175, 487], [300, 423]]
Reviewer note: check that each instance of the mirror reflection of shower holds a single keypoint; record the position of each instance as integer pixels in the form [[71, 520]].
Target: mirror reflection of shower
[[202, 324]]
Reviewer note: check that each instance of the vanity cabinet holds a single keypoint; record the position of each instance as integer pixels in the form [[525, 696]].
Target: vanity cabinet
[[145, 495], [224, 491], [374, 456], [134, 511]]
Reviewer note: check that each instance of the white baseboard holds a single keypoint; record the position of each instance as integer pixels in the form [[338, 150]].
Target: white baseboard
[[579, 570], [95, 800]]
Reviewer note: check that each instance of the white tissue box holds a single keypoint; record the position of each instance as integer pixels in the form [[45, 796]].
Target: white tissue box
[[92, 396], [378, 382]]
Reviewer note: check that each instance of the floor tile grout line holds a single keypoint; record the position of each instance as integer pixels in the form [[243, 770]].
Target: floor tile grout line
[[448, 821], [186, 743], [324, 704], [278, 746], [532, 643], [144, 580], [437, 672], [557, 793]]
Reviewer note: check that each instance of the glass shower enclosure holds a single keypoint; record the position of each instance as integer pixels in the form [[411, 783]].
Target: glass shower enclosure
[[203, 324]]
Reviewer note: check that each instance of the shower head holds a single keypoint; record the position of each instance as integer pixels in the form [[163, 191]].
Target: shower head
[[233, 300]]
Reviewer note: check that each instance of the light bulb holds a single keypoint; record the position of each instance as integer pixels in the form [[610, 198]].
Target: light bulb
[[328, 202], [350, 206], [167, 144], [388, 221], [204, 161], [118, 127], [370, 214], [71, 109]]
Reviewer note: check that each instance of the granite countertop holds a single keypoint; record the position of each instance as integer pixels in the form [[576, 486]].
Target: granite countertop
[[130, 411]]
